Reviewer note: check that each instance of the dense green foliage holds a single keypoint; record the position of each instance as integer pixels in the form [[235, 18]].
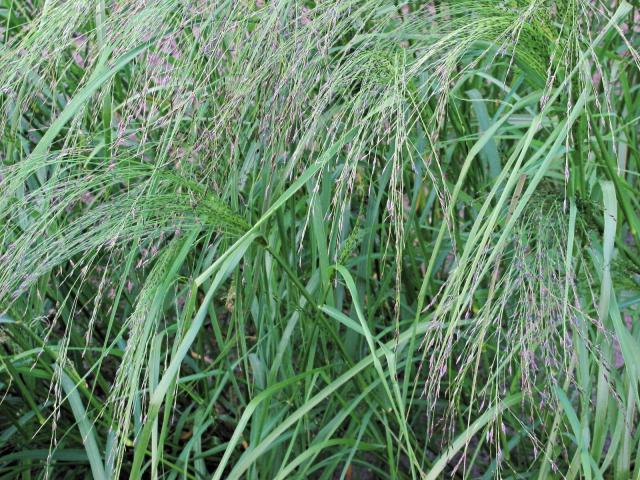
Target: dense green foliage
[[334, 239]]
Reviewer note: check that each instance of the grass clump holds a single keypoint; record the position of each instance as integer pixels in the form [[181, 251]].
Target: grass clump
[[296, 239]]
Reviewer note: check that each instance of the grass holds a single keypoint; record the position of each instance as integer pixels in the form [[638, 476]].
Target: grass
[[319, 239]]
